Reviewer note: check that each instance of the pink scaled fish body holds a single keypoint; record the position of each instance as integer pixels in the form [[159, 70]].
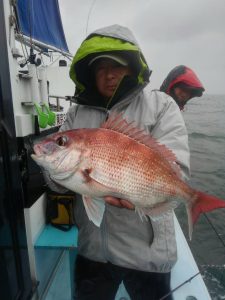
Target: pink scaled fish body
[[123, 161]]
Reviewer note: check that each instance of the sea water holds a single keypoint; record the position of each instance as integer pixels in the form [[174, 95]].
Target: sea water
[[205, 121]]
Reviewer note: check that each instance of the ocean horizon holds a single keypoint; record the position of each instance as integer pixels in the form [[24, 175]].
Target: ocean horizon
[[205, 121]]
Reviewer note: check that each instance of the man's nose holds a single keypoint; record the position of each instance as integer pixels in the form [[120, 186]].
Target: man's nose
[[110, 72]]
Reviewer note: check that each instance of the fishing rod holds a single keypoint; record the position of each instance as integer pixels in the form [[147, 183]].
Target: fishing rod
[[89, 13], [179, 286], [213, 227]]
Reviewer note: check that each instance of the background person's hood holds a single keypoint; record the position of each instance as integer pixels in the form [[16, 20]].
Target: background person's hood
[[182, 74]]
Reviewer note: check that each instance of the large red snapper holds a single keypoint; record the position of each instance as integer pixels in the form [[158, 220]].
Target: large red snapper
[[123, 161]]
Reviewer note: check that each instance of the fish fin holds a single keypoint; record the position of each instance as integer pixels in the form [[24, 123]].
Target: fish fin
[[157, 211], [92, 178], [118, 123], [95, 208], [200, 203]]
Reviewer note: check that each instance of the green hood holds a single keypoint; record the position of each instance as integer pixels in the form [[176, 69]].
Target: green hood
[[114, 38]]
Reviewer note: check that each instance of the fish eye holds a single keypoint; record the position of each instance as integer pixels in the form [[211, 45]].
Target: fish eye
[[62, 140]]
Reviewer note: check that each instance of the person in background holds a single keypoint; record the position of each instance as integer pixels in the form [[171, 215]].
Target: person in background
[[182, 84], [110, 74]]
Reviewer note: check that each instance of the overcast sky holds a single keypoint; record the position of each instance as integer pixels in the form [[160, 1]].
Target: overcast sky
[[169, 32]]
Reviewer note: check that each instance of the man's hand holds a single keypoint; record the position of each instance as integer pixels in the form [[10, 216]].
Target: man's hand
[[119, 202]]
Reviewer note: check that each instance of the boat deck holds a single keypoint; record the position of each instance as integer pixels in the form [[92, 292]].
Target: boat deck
[[54, 246]]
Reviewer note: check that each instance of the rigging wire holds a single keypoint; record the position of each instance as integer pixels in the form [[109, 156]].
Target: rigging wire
[[23, 45], [30, 23], [89, 13], [22, 40]]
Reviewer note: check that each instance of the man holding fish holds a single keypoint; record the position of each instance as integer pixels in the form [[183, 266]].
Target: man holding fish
[[129, 179]]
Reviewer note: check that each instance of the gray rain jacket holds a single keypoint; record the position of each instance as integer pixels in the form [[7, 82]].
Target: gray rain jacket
[[123, 238]]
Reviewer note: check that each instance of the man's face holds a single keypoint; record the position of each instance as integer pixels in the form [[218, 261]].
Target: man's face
[[108, 75], [182, 95]]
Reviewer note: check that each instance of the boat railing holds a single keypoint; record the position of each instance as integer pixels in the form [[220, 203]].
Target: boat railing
[[57, 107]]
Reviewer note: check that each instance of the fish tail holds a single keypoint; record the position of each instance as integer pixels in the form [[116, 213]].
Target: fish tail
[[201, 203]]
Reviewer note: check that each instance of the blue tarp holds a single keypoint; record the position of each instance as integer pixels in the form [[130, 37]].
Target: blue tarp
[[41, 20]]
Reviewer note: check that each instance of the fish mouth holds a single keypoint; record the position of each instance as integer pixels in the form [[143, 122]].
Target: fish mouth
[[37, 153], [39, 159], [54, 175], [40, 151], [36, 157]]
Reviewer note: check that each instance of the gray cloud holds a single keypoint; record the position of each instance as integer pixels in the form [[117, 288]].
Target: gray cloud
[[170, 32], [172, 20]]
